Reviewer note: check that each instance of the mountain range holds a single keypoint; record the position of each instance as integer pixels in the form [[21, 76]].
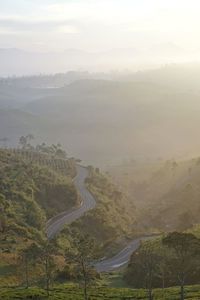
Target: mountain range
[[103, 121], [18, 62]]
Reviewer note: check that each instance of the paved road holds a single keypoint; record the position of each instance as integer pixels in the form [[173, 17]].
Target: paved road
[[56, 224], [121, 258]]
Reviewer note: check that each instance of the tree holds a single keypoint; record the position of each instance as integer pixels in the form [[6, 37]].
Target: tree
[[54, 150], [60, 153], [148, 261], [4, 205], [163, 272], [48, 253], [24, 142], [2, 221], [84, 250], [185, 250], [147, 267], [29, 256]]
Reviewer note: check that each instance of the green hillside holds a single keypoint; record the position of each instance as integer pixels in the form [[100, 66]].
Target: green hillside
[[34, 187], [113, 221], [169, 260], [29, 195]]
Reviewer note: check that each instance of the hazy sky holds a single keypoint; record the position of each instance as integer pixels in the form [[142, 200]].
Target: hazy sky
[[100, 25]]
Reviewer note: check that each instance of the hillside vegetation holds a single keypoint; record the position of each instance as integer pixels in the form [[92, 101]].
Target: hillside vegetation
[[29, 195], [113, 220], [170, 260], [104, 293], [34, 188], [166, 193]]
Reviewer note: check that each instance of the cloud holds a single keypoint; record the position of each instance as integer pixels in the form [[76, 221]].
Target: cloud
[[100, 24], [67, 29], [105, 11], [70, 10], [6, 31], [17, 24]]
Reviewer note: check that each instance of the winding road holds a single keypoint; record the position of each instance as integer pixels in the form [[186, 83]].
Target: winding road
[[120, 259], [55, 225]]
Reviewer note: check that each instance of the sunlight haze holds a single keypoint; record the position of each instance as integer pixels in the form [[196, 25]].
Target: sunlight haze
[[146, 30], [99, 149]]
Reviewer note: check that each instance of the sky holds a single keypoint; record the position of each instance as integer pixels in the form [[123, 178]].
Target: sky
[[101, 25]]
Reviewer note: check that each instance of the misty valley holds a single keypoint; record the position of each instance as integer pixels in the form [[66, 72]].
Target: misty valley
[[99, 150], [99, 193]]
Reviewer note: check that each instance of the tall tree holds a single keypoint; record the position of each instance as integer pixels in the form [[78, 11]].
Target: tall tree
[[84, 250], [185, 248], [48, 253], [144, 268], [29, 257]]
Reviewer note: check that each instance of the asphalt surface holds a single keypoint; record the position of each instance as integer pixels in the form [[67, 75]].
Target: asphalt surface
[[120, 259], [55, 225]]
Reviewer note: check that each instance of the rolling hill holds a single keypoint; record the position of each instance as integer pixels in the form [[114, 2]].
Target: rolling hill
[[166, 193], [106, 121]]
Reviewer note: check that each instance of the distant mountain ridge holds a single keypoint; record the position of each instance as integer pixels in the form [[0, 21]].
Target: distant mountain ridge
[[103, 121], [20, 62]]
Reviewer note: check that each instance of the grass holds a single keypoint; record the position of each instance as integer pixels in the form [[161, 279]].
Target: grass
[[73, 292], [113, 280]]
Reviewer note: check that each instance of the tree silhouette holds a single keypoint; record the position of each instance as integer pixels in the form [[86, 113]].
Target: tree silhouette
[[185, 249], [83, 252], [29, 256]]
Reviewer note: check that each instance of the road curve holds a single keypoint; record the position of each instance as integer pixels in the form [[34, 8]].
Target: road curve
[[56, 224], [120, 259]]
